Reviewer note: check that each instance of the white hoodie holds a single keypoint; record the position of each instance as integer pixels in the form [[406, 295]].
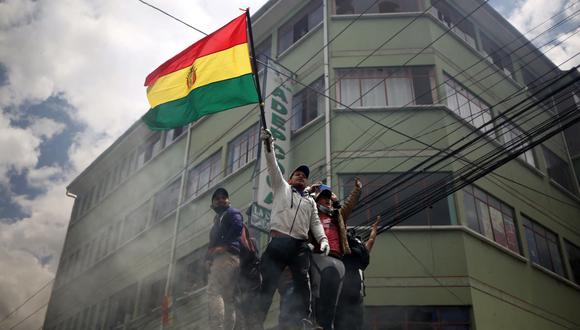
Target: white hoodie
[[292, 213]]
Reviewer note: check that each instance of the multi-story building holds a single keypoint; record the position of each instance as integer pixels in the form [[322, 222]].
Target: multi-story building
[[501, 253]]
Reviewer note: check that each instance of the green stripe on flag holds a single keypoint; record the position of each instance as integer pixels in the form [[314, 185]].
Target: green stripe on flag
[[205, 100]]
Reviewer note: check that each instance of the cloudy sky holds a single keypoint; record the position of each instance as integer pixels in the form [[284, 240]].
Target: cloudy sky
[[71, 81]]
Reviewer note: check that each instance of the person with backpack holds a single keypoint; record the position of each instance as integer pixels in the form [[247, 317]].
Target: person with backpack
[[223, 261], [294, 214], [350, 309]]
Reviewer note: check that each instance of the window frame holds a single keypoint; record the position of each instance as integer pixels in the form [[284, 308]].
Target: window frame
[[490, 229], [508, 129], [377, 10], [346, 184], [213, 159], [288, 27], [247, 154], [383, 76], [484, 108], [534, 229], [308, 96]]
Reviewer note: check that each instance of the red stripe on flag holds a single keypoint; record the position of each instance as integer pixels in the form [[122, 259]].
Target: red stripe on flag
[[231, 34]]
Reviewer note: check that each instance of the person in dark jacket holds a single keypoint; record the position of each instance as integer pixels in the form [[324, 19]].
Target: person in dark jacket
[[350, 309], [223, 261]]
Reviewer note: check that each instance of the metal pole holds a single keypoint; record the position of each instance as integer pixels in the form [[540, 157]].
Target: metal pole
[[170, 268], [255, 69], [326, 99], [255, 72]]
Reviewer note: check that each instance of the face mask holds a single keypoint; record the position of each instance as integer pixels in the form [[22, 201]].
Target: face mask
[[219, 209], [326, 210]]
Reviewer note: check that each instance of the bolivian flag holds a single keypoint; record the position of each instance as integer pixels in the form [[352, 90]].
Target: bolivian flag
[[210, 76]]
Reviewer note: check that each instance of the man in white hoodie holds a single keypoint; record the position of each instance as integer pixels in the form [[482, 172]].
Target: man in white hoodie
[[294, 213]]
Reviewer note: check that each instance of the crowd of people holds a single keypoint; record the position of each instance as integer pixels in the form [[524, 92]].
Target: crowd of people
[[312, 259]]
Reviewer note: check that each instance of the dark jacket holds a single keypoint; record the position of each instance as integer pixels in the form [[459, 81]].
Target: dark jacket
[[226, 231]]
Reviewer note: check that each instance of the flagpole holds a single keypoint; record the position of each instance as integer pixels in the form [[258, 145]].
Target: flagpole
[[255, 71], [167, 297]]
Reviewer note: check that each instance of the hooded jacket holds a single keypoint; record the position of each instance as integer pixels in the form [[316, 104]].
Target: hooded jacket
[[344, 213], [293, 214]]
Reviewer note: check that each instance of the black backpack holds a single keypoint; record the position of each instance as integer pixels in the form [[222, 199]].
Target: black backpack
[[359, 254], [249, 261]]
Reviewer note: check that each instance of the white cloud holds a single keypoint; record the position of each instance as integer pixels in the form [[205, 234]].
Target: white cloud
[[44, 176], [18, 149], [46, 128], [530, 13], [95, 54], [23, 245]]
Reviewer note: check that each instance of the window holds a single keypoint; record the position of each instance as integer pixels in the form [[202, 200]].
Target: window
[[121, 306], [135, 222], [539, 87], [558, 170], [574, 258], [263, 52], [497, 55], [190, 273], [299, 25], [514, 135], [347, 7], [152, 291], [543, 247], [418, 317], [149, 149], [174, 134], [455, 21], [466, 105], [394, 201], [307, 104], [380, 87], [166, 200], [490, 217], [204, 175], [126, 167], [114, 231], [243, 149]]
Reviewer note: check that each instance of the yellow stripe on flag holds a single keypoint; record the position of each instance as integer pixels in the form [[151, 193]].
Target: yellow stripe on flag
[[230, 63]]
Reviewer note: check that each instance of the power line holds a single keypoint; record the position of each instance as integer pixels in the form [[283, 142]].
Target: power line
[[26, 300], [468, 175]]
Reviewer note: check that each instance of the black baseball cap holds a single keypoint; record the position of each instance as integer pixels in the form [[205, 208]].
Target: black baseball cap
[[218, 192], [324, 193], [302, 168]]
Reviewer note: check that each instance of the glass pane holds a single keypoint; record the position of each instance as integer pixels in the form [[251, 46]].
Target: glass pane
[[511, 235], [556, 258], [399, 91], [543, 252], [484, 218], [374, 92], [574, 258], [470, 212], [498, 228], [350, 92], [463, 104], [422, 89], [452, 99]]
